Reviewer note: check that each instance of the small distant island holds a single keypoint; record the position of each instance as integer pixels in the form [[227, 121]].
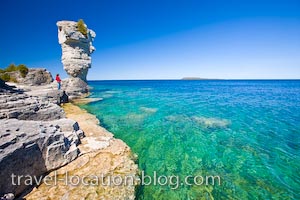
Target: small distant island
[[197, 78]]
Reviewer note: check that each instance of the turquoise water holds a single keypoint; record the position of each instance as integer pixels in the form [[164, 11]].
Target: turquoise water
[[246, 132]]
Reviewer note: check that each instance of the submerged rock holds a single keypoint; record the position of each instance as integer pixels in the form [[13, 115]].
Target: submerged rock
[[210, 122], [148, 110], [76, 55]]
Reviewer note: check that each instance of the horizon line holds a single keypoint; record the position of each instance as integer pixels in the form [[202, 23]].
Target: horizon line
[[204, 79]]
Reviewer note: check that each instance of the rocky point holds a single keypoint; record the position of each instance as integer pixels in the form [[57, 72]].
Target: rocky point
[[77, 48]]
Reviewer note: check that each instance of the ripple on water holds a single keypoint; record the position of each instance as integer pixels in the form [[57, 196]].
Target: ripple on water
[[245, 131]]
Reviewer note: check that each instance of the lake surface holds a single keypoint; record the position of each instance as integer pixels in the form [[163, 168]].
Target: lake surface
[[245, 132]]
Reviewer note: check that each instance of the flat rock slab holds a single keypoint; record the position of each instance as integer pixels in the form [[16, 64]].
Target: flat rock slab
[[34, 148], [102, 156]]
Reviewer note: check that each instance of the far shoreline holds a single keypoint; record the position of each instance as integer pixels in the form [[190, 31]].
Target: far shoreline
[[194, 80]]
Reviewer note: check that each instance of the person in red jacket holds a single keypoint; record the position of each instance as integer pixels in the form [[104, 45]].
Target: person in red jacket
[[58, 80]]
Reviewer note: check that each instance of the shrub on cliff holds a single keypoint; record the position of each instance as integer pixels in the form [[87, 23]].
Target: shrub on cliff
[[13, 79], [5, 74], [11, 68], [23, 70], [81, 27], [5, 77]]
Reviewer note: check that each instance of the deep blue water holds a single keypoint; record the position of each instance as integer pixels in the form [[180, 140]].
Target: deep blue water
[[246, 132]]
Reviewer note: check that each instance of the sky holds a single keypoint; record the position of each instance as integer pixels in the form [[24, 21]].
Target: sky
[[160, 39]]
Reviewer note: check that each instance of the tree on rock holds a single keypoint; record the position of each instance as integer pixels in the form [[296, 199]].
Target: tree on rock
[[23, 70], [5, 77], [11, 68], [82, 27]]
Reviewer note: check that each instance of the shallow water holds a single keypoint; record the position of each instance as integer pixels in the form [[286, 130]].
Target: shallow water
[[246, 132]]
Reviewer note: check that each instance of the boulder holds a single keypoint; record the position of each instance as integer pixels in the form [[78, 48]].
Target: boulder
[[35, 136], [34, 148], [34, 77], [24, 107], [75, 87], [37, 76]]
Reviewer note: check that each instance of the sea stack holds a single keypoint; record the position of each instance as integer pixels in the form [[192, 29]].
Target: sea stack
[[76, 43]]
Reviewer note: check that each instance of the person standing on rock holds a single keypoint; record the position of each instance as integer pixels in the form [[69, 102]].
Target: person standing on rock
[[58, 80]]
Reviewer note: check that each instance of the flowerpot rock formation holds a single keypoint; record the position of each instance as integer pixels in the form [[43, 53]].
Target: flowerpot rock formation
[[77, 48]]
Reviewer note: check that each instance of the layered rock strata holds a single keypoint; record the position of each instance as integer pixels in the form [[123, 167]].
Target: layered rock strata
[[76, 55], [35, 76], [32, 148], [35, 138], [46, 147], [103, 159], [19, 105]]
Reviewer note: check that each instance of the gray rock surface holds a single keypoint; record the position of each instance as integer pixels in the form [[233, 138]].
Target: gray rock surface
[[75, 87], [76, 55], [24, 107], [8, 196], [35, 136], [34, 148], [37, 76]]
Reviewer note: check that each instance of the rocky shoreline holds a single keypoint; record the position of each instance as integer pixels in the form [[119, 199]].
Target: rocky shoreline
[[41, 139]]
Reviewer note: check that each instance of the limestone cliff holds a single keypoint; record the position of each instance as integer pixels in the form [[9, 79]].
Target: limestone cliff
[[37, 76], [35, 136], [76, 55]]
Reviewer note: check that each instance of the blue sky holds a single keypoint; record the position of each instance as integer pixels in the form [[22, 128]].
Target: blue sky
[[160, 39]]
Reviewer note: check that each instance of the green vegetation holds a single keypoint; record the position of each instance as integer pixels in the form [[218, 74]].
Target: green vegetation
[[11, 68], [13, 79], [6, 76], [82, 27], [23, 70]]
